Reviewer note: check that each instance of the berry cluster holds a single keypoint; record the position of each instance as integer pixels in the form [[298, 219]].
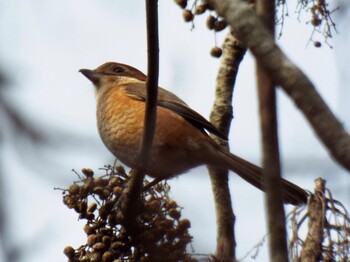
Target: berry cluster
[[161, 236], [213, 22]]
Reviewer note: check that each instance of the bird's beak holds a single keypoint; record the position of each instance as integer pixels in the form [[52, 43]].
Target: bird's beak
[[93, 76]]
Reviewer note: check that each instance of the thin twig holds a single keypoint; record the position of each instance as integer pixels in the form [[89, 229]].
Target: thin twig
[[129, 203]]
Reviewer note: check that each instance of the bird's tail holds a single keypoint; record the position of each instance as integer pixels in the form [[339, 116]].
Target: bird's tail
[[292, 194]]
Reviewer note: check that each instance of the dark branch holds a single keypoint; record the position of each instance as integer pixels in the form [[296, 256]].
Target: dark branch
[[271, 158], [129, 203]]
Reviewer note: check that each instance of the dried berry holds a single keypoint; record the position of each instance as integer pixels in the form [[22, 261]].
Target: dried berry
[[87, 172], [187, 15], [181, 3], [69, 252], [216, 51], [89, 230], [200, 9], [211, 21], [74, 189], [174, 213], [317, 44], [220, 25]]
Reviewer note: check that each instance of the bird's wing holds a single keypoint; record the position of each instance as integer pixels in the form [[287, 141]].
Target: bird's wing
[[170, 101]]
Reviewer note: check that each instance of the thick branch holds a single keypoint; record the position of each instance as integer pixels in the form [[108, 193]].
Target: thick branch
[[252, 33], [221, 117], [271, 159]]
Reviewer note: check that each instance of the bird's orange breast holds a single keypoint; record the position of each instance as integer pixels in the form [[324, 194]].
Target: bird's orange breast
[[121, 121]]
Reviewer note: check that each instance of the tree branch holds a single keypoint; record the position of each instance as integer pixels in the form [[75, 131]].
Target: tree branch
[[312, 247], [271, 159], [221, 116], [252, 33], [132, 193]]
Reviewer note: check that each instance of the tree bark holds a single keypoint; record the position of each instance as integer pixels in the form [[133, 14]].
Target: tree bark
[[221, 117], [312, 247], [271, 158]]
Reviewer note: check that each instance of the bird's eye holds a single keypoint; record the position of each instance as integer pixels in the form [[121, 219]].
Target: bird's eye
[[119, 69]]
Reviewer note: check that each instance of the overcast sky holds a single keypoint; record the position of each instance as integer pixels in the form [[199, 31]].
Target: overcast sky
[[43, 45]]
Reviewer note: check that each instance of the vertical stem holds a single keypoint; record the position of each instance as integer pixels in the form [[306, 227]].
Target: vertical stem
[[221, 117], [129, 203], [271, 159]]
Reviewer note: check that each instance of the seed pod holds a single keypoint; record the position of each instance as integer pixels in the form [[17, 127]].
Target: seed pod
[[92, 207], [107, 256], [99, 246], [107, 240], [171, 204], [211, 20], [220, 25], [102, 182], [83, 206], [187, 15], [95, 257], [120, 170], [117, 245], [182, 3], [166, 223], [69, 252], [87, 172], [113, 182], [91, 240], [87, 187], [105, 194], [74, 189], [315, 21], [317, 44], [98, 190], [216, 52], [89, 230], [174, 213], [184, 224], [200, 9]]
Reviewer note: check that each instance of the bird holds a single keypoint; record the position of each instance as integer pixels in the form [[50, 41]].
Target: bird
[[181, 140]]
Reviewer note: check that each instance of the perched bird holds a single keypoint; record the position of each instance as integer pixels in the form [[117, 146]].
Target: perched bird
[[180, 140]]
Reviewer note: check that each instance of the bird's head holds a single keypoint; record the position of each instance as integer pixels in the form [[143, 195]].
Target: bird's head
[[112, 74]]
